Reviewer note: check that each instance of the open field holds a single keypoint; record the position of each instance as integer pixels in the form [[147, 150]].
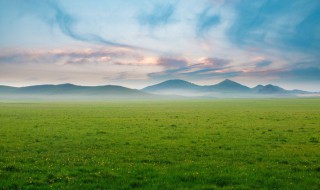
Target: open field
[[189, 144]]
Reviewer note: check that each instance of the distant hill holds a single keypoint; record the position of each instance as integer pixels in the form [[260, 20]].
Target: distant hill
[[272, 89], [175, 87], [72, 90], [168, 89], [269, 89], [226, 88], [185, 88], [6, 89]]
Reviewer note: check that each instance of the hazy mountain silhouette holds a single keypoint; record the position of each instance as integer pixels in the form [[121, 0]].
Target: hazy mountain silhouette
[[174, 88], [181, 87], [269, 89], [74, 90], [6, 89], [226, 88], [272, 89]]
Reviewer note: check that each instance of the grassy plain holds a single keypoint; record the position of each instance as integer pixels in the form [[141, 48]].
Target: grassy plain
[[189, 144]]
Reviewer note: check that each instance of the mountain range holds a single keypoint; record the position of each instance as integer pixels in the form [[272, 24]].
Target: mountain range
[[72, 91], [225, 88], [169, 88]]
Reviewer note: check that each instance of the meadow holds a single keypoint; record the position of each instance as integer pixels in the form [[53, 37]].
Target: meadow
[[182, 144]]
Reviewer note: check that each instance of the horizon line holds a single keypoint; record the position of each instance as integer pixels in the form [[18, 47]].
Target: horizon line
[[81, 85]]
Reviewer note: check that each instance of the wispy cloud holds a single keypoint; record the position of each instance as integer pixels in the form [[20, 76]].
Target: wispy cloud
[[92, 66], [285, 24], [206, 20], [172, 63], [305, 72], [263, 63], [160, 15], [71, 56], [55, 15], [208, 67], [214, 62]]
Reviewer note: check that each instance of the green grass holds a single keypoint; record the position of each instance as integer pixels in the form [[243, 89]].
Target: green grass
[[196, 144]]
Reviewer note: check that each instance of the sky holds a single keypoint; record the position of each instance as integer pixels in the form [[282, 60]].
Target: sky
[[136, 43]]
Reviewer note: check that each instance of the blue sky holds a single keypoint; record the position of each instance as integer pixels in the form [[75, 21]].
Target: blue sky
[[136, 43]]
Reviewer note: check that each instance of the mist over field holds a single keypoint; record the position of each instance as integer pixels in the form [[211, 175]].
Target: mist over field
[[171, 89]]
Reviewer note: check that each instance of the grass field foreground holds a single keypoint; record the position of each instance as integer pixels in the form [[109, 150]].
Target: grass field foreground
[[189, 144]]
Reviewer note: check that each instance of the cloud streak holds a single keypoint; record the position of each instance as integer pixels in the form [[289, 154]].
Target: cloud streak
[[293, 25], [202, 68], [53, 14], [66, 23], [206, 20], [159, 16], [71, 56], [263, 63]]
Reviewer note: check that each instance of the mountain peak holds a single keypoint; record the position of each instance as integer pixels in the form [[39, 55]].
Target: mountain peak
[[175, 83], [176, 80], [258, 88], [228, 81], [172, 86], [66, 84], [269, 89], [272, 86], [228, 85]]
